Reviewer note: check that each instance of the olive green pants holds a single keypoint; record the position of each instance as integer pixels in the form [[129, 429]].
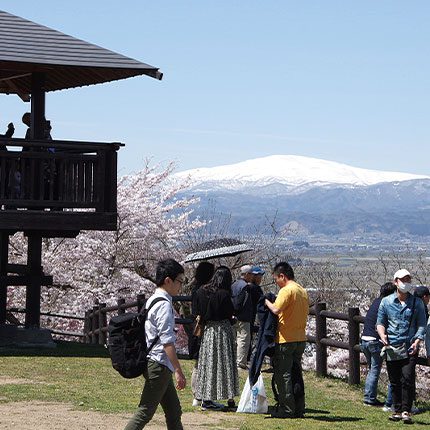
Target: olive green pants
[[285, 355], [158, 389]]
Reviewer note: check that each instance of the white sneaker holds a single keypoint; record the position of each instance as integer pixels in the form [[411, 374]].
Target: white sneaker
[[386, 408], [197, 402]]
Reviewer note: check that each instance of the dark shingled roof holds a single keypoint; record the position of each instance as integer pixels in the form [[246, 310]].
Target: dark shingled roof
[[67, 62]]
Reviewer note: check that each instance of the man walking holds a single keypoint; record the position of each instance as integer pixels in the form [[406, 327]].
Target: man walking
[[400, 325], [242, 304], [162, 359], [292, 308]]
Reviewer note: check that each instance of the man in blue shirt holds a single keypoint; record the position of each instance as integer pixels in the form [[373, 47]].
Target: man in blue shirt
[[401, 323], [162, 359]]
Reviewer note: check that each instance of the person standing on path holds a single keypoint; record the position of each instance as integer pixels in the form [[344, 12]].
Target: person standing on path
[[159, 388]]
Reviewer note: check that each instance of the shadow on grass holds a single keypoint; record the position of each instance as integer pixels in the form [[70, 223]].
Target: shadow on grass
[[63, 349], [334, 418]]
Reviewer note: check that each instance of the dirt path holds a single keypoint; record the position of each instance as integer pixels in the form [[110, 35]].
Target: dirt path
[[59, 416]]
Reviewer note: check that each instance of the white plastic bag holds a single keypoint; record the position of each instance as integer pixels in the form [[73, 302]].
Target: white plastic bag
[[253, 400]]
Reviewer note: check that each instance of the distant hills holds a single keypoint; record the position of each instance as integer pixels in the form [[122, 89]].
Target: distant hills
[[321, 196]]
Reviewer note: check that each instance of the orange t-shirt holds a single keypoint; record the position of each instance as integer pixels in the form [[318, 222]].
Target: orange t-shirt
[[293, 302]]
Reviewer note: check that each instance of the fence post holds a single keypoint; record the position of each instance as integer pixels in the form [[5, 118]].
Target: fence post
[[320, 333], [354, 339], [94, 324], [141, 300], [102, 323], [120, 302], [87, 326]]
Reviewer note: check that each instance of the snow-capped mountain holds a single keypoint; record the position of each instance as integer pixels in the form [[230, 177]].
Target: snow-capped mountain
[[322, 196], [293, 173]]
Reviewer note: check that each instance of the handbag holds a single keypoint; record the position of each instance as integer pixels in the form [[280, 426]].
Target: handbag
[[396, 352], [199, 327]]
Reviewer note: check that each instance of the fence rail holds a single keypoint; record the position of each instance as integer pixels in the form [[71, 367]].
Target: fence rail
[[95, 330]]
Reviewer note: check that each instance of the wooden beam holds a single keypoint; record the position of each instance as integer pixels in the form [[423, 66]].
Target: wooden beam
[[29, 280]]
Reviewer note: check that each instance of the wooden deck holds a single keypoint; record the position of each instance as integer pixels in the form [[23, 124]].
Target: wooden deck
[[57, 186]]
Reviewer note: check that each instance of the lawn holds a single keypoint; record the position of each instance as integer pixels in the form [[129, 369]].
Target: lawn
[[82, 375]]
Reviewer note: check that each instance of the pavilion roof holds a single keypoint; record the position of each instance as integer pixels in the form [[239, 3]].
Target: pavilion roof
[[67, 62]]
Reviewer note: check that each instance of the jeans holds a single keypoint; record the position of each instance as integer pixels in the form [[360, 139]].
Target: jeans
[[372, 350]]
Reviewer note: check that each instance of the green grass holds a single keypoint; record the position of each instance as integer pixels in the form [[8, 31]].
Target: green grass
[[82, 375]]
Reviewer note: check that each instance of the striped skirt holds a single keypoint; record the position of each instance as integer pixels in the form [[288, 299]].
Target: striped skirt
[[217, 376]]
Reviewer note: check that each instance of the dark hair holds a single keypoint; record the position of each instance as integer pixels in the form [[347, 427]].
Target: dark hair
[[284, 268], [221, 280], [387, 289], [204, 273], [168, 268]]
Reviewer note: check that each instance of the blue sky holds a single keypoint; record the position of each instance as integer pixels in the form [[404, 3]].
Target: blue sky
[[346, 81]]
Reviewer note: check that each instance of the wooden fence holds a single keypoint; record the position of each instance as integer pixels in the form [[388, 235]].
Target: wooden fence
[[95, 331]]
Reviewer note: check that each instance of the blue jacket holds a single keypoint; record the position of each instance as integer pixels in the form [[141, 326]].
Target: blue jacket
[[402, 323]]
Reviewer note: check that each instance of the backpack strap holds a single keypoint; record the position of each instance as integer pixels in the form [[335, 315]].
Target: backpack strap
[[146, 311]]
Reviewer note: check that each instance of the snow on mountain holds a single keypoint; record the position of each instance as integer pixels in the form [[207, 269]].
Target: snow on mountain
[[292, 172]]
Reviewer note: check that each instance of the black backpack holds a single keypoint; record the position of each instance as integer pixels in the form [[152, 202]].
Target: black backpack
[[127, 342]]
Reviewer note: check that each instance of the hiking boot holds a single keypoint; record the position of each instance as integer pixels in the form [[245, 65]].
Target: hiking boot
[[395, 417], [406, 417]]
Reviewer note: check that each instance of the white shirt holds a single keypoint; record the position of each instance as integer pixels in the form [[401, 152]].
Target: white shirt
[[160, 321]]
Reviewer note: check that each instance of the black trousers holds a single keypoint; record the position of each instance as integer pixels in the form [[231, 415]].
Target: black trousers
[[402, 378]]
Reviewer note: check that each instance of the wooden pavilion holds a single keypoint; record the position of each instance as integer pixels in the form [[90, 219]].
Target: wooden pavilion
[[52, 188]]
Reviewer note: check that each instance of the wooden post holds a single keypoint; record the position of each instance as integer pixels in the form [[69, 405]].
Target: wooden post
[[102, 324], [354, 339], [87, 326], [141, 300], [94, 324], [4, 250], [120, 302], [37, 128], [34, 264], [320, 333]]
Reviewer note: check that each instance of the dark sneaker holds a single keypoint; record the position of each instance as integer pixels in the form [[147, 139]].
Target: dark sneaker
[[242, 367], [395, 417], [374, 403], [406, 418], [280, 414], [209, 405]]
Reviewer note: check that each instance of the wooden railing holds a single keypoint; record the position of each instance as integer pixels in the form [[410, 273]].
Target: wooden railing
[[40, 174], [95, 331]]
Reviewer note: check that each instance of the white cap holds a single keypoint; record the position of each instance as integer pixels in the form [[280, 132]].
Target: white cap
[[401, 274], [246, 269]]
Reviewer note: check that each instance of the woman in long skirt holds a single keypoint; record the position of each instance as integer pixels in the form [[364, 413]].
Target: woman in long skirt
[[217, 376]]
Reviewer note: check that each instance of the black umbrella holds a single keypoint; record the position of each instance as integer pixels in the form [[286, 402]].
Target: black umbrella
[[217, 248]]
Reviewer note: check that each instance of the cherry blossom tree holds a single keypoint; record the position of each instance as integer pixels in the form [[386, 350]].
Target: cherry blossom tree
[[103, 266]]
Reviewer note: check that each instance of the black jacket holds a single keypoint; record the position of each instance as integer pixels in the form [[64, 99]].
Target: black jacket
[[266, 337]]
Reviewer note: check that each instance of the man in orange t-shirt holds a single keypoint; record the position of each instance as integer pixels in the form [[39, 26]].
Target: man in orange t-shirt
[[292, 308]]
